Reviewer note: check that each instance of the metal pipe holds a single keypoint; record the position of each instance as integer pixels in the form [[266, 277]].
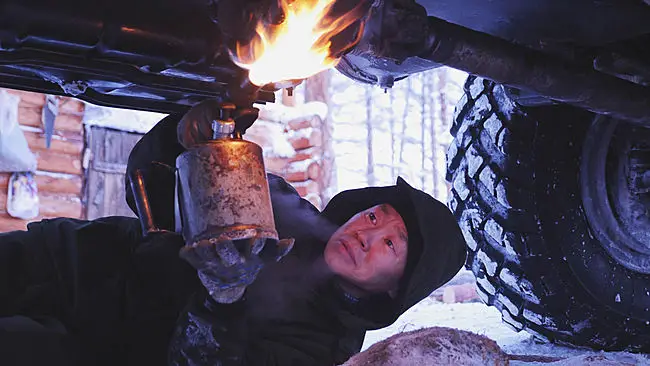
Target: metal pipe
[[142, 204], [527, 69]]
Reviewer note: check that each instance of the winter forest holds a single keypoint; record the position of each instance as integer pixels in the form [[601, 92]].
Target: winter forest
[[376, 135]]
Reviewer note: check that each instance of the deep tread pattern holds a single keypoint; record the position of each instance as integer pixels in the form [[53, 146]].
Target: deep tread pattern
[[491, 168]]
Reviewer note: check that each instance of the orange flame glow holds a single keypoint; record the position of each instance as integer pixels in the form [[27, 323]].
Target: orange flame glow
[[297, 48]]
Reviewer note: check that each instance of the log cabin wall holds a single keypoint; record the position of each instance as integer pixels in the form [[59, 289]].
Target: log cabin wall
[[60, 174], [290, 137]]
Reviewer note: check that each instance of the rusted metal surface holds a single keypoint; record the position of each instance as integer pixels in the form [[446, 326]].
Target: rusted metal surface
[[224, 193], [142, 203]]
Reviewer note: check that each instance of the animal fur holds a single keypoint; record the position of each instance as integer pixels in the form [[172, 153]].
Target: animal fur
[[432, 346], [446, 346]]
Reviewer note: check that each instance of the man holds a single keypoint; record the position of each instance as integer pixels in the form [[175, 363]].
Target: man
[[98, 293]]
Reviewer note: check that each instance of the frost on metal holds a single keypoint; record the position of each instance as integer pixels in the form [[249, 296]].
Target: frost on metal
[[474, 161], [494, 230], [521, 285], [506, 105], [485, 285]]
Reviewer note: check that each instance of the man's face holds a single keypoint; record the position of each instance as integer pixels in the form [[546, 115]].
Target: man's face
[[370, 249]]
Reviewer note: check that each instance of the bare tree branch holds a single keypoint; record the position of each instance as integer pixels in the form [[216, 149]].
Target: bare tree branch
[[423, 120], [392, 135], [370, 169], [407, 100]]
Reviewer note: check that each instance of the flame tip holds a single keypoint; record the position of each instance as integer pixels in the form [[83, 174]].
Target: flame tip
[[305, 34]]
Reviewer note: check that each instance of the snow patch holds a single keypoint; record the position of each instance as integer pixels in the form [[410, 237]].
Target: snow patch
[[121, 119], [508, 278], [512, 308], [488, 263], [494, 230], [506, 105], [486, 285]]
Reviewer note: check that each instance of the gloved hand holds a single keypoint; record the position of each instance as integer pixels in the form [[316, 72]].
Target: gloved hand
[[226, 268]]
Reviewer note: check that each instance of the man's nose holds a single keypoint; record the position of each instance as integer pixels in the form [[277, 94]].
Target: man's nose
[[366, 240]]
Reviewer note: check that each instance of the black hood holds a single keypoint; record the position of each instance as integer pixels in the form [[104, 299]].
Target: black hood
[[436, 247]]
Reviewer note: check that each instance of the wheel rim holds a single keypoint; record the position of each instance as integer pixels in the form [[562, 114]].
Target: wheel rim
[[615, 188]]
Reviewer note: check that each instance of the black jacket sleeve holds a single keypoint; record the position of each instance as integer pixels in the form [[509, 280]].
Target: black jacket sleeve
[[118, 296], [208, 333], [15, 268]]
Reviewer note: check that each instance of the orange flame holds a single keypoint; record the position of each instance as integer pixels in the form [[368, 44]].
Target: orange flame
[[297, 48]]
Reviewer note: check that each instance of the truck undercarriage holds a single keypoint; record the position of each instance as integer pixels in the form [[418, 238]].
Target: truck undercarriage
[[549, 166]]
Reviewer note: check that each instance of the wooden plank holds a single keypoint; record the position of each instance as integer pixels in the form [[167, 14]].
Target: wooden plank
[[4, 181], [71, 186], [95, 194], [52, 205], [50, 161], [106, 195], [29, 98], [68, 185], [59, 206], [8, 223], [36, 141], [111, 146], [96, 143], [115, 196], [69, 105], [110, 154], [32, 116]]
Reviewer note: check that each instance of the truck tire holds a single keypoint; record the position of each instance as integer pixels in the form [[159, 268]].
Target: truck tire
[[522, 198]]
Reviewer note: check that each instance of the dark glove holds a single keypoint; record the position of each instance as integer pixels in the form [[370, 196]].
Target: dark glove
[[226, 268]]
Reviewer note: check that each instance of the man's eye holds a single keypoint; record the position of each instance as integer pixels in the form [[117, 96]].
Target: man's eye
[[372, 217], [389, 243]]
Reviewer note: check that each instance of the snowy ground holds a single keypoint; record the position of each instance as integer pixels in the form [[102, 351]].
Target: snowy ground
[[484, 320]]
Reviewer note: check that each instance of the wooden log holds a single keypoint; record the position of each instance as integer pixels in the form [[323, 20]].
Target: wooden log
[[37, 141], [69, 185], [275, 165], [8, 223], [303, 122], [66, 104], [304, 141], [50, 161], [32, 116], [313, 171], [73, 106], [29, 98], [301, 171], [4, 181], [59, 206], [52, 205], [306, 188], [311, 153], [297, 176]]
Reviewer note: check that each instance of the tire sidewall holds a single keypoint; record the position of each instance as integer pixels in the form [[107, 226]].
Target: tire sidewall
[[558, 150]]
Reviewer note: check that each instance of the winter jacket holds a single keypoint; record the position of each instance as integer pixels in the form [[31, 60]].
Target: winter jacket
[[116, 299], [98, 293]]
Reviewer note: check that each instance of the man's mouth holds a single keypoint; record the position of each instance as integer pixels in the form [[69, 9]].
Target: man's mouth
[[348, 250]]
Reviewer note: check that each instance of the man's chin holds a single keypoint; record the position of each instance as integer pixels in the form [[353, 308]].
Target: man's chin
[[351, 288]]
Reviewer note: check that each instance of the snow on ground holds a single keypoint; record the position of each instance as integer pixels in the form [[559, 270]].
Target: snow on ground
[[484, 320], [121, 119]]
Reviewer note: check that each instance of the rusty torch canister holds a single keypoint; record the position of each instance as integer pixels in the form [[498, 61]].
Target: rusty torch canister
[[224, 194]]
